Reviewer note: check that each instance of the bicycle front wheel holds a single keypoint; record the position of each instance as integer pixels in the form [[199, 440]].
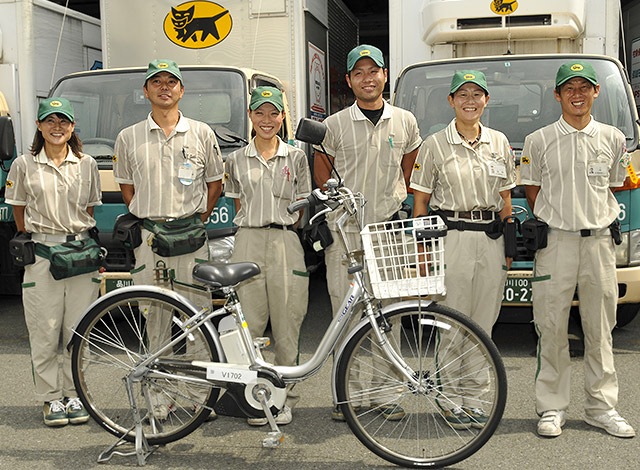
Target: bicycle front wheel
[[113, 338], [458, 400]]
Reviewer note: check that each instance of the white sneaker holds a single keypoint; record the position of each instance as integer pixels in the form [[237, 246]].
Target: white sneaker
[[284, 417], [613, 423], [550, 425]]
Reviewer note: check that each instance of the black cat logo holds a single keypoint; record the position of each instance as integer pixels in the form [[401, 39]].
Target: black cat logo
[[197, 24], [504, 8]]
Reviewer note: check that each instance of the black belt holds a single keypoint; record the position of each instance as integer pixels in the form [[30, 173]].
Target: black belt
[[281, 227], [471, 215]]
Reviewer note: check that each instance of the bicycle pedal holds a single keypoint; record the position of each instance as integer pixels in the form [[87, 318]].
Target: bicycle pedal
[[262, 342], [273, 439]]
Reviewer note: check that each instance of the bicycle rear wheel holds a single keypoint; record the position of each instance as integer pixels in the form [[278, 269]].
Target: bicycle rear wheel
[[113, 338], [458, 368]]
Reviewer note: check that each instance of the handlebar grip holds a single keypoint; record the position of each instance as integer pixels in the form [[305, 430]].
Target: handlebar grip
[[301, 204]]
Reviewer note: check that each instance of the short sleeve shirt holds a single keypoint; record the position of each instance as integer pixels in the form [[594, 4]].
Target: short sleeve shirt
[[152, 163], [369, 157], [575, 169], [55, 198], [266, 188], [463, 178]]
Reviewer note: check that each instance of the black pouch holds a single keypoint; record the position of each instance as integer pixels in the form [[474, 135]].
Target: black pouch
[[317, 235], [22, 249], [616, 232], [494, 229], [72, 258], [534, 233], [127, 230], [177, 237], [510, 230], [403, 213]]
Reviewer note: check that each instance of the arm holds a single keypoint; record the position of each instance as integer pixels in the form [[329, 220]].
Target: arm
[[408, 160], [214, 189], [18, 216], [90, 210], [321, 168], [532, 194], [420, 203], [127, 191], [504, 213]]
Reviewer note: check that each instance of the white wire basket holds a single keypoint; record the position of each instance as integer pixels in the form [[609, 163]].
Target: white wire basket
[[405, 257]]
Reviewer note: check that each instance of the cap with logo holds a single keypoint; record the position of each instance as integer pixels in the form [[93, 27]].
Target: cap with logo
[[266, 94], [364, 51], [55, 106], [576, 69], [468, 76], [163, 65]]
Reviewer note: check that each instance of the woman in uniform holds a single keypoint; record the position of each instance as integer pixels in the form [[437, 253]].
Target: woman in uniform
[[53, 191], [465, 173], [264, 178]]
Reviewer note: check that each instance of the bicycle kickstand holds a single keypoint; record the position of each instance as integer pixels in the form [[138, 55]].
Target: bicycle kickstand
[[275, 436], [142, 448]]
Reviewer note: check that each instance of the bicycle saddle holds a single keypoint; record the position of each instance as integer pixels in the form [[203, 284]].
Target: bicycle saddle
[[224, 275]]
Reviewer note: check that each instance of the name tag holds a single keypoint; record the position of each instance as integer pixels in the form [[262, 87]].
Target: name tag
[[497, 169], [597, 169], [233, 373], [185, 174]]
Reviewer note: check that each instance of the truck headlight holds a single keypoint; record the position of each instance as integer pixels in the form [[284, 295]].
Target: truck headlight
[[221, 249], [622, 251], [634, 247]]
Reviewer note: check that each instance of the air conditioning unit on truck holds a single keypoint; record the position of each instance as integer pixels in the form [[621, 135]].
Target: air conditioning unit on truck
[[31, 32], [519, 45], [224, 50]]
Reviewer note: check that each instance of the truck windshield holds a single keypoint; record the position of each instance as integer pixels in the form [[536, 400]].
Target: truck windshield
[[107, 102], [521, 97]]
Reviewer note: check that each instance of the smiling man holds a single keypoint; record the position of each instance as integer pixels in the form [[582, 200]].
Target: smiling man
[[568, 171]]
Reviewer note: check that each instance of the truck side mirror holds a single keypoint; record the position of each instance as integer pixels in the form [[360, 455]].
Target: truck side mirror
[[7, 138], [310, 131]]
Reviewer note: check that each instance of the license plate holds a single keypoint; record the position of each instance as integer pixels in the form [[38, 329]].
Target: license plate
[[517, 290]]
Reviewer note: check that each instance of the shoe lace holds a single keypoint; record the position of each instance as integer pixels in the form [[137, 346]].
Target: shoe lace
[[477, 411], [56, 406], [74, 404]]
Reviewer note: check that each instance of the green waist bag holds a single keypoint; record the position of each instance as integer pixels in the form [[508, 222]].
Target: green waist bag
[[72, 258], [176, 237]]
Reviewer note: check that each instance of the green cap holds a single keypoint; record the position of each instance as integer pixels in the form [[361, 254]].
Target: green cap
[[55, 106], [465, 76], [576, 69], [266, 94], [163, 65], [362, 52]]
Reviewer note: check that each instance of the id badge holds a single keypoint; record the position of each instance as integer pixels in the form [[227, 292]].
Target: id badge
[[597, 169], [497, 169], [185, 174]]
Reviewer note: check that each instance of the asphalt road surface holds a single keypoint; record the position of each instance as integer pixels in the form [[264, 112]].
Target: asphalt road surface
[[313, 440]]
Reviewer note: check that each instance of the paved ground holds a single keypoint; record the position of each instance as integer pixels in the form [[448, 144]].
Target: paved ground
[[313, 440]]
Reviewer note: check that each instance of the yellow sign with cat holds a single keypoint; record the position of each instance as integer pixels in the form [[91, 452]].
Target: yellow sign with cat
[[197, 24]]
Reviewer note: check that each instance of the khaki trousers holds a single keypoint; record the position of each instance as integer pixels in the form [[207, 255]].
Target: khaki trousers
[[279, 293], [51, 307], [475, 273], [588, 262]]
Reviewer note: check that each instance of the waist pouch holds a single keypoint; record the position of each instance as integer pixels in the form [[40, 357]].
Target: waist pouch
[[127, 230], [317, 236], [22, 249], [176, 237], [616, 232], [534, 232], [510, 230], [72, 258]]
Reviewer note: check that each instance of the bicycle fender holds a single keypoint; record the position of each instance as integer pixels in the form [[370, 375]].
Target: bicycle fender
[[362, 324], [106, 299]]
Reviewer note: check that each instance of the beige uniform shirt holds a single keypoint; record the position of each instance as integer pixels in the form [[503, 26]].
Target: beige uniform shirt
[[55, 198], [152, 162], [369, 157], [266, 188], [574, 170], [460, 177]]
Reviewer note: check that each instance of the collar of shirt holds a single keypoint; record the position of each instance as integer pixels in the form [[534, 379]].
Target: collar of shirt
[[358, 115], [565, 128], [454, 138], [42, 157], [252, 151], [182, 126]]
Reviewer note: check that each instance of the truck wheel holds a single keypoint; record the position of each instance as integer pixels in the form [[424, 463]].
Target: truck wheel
[[626, 313]]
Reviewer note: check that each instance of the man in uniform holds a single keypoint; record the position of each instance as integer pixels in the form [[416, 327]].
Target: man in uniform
[[373, 146], [169, 167], [568, 168]]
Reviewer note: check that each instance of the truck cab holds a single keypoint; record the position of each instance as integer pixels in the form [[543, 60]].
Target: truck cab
[[522, 100]]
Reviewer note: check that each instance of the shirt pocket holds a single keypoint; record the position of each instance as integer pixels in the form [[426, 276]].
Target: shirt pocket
[[283, 183], [598, 171]]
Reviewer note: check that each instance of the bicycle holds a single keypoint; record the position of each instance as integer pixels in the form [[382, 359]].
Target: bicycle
[[415, 356]]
